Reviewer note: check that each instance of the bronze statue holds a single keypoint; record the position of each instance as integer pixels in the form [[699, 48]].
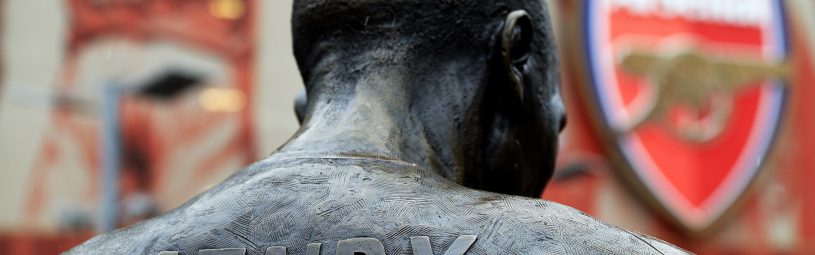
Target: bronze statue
[[429, 128]]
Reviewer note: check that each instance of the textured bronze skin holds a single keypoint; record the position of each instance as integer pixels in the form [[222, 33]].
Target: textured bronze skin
[[419, 115]]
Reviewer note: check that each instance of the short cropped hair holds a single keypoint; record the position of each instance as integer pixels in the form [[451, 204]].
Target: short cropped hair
[[436, 24]]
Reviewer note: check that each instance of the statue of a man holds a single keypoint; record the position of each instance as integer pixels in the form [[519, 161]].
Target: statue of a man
[[430, 128]]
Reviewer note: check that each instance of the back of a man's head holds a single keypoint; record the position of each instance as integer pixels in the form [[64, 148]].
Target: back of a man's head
[[489, 65], [432, 28]]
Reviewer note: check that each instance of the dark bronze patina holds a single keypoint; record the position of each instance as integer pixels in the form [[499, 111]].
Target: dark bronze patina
[[430, 126]]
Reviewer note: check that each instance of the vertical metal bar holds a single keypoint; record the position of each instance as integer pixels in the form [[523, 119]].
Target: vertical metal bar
[[111, 156]]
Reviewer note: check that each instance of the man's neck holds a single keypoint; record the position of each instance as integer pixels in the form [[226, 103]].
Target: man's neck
[[377, 117]]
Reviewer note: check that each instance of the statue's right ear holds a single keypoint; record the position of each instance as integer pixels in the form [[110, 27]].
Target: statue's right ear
[[516, 44], [300, 105]]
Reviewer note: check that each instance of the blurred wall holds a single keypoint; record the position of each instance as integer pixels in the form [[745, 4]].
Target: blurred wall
[[278, 78], [34, 41], [33, 45]]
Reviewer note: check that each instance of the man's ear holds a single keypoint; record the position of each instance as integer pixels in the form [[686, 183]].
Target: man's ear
[[516, 44]]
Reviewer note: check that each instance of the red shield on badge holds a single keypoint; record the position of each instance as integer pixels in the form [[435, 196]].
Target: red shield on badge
[[689, 94]]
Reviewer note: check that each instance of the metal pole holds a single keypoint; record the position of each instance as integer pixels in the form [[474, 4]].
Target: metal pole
[[111, 156]]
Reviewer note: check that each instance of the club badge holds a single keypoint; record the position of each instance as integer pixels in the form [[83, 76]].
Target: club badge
[[689, 95]]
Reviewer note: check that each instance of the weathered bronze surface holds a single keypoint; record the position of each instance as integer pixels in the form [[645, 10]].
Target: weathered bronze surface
[[430, 126]]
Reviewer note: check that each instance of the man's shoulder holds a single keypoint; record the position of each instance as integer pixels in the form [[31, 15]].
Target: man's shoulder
[[566, 230], [292, 205], [520, 225], [132, 240]]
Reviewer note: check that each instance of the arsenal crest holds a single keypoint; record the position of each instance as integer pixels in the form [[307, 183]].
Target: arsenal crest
[[689, 94]]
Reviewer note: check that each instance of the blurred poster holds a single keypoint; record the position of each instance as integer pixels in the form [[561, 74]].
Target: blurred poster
[[179, 74], [687, 122]]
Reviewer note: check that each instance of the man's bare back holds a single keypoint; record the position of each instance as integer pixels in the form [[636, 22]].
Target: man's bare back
[[300, 201]]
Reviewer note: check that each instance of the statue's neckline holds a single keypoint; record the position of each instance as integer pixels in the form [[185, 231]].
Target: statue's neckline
[[293, 155]]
